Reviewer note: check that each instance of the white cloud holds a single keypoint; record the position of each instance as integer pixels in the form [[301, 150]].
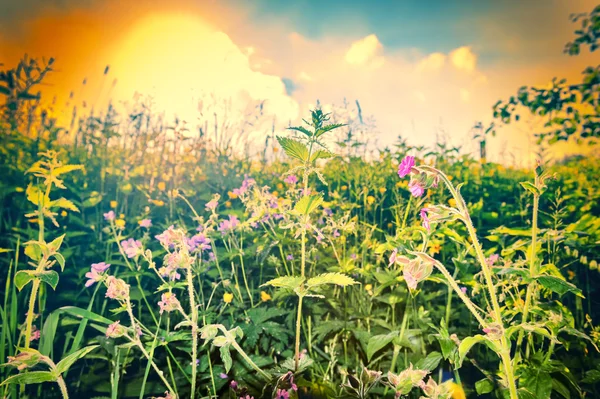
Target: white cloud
[[366, 51], [433, 62], [463, 59]]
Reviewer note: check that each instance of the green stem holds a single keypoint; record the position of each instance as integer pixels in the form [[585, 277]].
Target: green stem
[[63, 387], [298, 325], [29, 321], [194, 314]]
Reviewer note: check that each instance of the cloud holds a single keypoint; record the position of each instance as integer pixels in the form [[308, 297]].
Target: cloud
[[433, 62], [463, 59], [366, 51]]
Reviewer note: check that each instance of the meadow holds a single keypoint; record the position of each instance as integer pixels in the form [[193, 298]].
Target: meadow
[[139, 260]]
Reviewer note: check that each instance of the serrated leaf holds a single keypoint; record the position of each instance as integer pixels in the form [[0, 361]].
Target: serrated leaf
[[23, 277], [65, 169], [301, 130], [558, 285], [530, 187], [55, 244], [64, 203], [32, 377], [34, 250], [468, 343], [68, 361], [285, 282], [320, 154], [330, 278], [328, 128], [35, 195], [307, 204], [293, 148], [226, 357], [377, 342], [430, 362]]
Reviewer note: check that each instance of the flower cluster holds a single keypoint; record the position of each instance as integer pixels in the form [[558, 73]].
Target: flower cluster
[[95, 273], [117, 289], [404, 382], [132, 247], [168, 303], [420, 179]]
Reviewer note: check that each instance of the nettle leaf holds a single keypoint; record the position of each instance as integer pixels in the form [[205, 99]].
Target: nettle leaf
[[226, 357], [68, 361], [302, 130], [430, 362], [328, 128], [65, 169], [330, 278], [32, 377], [536, 381], [558, 285], [293, 148], [307, 204], [35, 195], [34, 250], [56, 243], [321, 154], [49, 277], [377, 342], [64, 203], [209, 331], [23, 277], [467, 343], [289, 282]]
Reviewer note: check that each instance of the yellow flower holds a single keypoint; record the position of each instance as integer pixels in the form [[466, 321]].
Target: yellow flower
[[113, 204], [227, 204], [158, 202], [120, 223], [452, 202], [161, 186], [122, 216], [390, 225], [382, 190], [370, 200], [264, 296], [369, 287], [457, 391], [232, 195], [34, 220], [344, 187], [435, 248], [275, 193], [275, 149], [63, 214], [279, 186], [571, 274], [227, 297]]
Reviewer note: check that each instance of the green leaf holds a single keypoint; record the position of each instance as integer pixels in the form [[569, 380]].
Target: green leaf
[[226, 357], [49, 277], [3, 250], [293, 148], [93, 200], [285, 282], [209, 331], [34, 250], [328, 128], [321, 154], [484, 386], [377, 342], [35, 195], [65, 169], [56, 243], [61, 260], [307, 204], [32, 377], [561, 389], [558, 285], [538, 382], [68, 361], [330, 278], [530, 187], [63, 203], [301, 130], [591, 377], [430, 363], [467, 343], [23, 277]]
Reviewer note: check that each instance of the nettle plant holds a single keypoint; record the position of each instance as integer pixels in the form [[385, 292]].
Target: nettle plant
[[43, 257], [509, 295]]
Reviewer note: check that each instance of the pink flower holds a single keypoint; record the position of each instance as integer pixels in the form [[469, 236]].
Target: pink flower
[[415, 188], [145, 223], [131, 247], [117, 288], [94, 274], [168, 395], [282, 394], [110, 215], [406, 165], [426, 220], [291, 179], [115, 330], [492, 259], [463, 290], [246, 184], [234, 385], [393, 257], [229, 225], [35, 334], [100, 267], [168, 302], [212, 204], [168, 237]]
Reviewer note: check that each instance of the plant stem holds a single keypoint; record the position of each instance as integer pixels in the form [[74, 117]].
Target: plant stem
[[298, 325], [29, 321], [194, 314]]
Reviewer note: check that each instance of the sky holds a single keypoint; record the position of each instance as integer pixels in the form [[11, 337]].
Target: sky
[[422, 70]]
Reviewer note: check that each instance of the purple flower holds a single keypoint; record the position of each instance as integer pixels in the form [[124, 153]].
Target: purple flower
[[353, 256], [198, 242], [229, 225], [212, 204], [406, 165], [291, 179], [234, 385], [282, 394], [110, 215], [426, 220], [145, 223], [336, 233], [223, 376], [167, 238], [464, 290], [168, 302], [131, 247], [246, 184], [117, 289], [415, 188], [290, 257], [94, 274], [328, 211]]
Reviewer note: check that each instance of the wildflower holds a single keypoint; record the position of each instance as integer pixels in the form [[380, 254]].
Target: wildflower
[[435, 248], [282, 394], [198, 242], [109, 216], [212, 204], [353, 256], [382, 190], [158, 202], [416, 271], [290, 257], [168, 237], [131, 247], [406, 166], [426, 220], [113, 204], [463, 290], [94, 274], [162, 186], [115, 330], [168, 395], [35, 334], [369, 289], [593, 265], [404, 382], [227, 204], [117, 288], [145, 223], [246, 184], [344, 187], [492, 259], [227, 297], [233, 385], [452, 202], [393, 257], [291, 180], [370, 200], [168, 302], [120, 223], [63, 214], [223, 376], [229, 225], [264, 296], [416, 189], [494, 331]]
